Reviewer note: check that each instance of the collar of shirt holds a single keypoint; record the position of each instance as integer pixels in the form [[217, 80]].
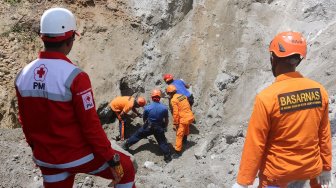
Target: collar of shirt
[[288, 75], [53, 55]]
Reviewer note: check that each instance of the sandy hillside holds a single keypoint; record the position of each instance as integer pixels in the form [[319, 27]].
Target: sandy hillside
[[219, 47]]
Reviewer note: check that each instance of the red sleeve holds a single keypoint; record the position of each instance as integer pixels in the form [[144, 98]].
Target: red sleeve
[[21, 119], [83, 102]]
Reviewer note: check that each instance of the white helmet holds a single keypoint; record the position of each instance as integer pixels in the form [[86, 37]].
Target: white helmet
[[57, 22]]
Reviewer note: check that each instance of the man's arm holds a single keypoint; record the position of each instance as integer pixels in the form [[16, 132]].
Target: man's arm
[[166, 119], [121, 115], [145, 115], [136, 111], [185, 84], [84, 106], [325, 140], [255, 142], [21, 119], [175, 112]]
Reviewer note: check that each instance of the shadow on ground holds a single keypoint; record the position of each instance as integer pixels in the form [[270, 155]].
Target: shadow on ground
[[193, 129], [333, 126], [151, 146]]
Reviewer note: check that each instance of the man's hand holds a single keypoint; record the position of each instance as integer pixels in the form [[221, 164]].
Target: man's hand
[[175, 127], [237, 185], [325, 179], [118, 173]]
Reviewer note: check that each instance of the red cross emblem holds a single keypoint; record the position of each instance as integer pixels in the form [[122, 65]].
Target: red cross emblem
[[40, 73], [88, 100]]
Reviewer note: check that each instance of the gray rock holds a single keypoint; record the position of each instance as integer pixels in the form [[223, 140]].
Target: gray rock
[[112, 5], [201, 150], [151, 166]]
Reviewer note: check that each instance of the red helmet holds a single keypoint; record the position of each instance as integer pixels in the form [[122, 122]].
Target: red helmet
[[168, 77], [141, 101], [156, 93], [289, 43]]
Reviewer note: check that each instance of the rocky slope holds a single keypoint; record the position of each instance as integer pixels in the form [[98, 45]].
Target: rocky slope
[[220, 47]]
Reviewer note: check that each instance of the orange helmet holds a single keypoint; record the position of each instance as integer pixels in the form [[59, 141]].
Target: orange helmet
[[171, 88], [156, 93], [141, 101], [168, 77], [289, 43]]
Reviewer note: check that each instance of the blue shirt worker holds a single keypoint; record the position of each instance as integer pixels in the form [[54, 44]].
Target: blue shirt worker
[[181, 87], [155, 123]]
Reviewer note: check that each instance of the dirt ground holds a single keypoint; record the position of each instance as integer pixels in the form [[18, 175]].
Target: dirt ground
[[219, 47]]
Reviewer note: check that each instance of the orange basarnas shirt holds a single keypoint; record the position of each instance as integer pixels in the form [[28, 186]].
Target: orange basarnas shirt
[[288, 136], [122, 103], [182, 113]]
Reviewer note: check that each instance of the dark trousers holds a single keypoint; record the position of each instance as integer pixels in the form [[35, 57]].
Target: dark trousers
[[157, 131]]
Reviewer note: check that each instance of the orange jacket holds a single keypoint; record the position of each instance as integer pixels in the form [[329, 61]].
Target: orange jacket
[[122, 103], [182, 113], [288, 137]]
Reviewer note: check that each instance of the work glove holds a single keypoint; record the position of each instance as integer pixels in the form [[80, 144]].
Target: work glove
[[115, 146], [175, 127], [237, 185], [325, 179], [117, 173]]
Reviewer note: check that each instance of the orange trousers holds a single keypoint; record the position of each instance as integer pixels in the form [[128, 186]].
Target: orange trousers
[[264, 182], [121, 125], [182, 130]]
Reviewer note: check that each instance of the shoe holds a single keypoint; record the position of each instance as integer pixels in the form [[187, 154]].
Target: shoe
[[125, 146], [167, 158], [175, 155]]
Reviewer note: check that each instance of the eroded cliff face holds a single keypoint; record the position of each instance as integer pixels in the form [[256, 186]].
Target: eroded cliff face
[[219, 47]]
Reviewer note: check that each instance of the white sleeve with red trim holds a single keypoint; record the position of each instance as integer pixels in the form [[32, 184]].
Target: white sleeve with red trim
[[84, 106]]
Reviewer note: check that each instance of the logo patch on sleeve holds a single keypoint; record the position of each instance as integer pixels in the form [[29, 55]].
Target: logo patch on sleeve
[[300, 100], [88, 100], [181, 98]]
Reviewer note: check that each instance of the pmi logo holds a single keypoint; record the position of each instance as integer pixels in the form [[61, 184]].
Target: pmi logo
[[88, 100], [40, 74], [39, 85]]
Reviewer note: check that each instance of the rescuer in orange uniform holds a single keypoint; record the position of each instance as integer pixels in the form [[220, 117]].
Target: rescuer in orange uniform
[[182, 117], [122, 105], [288, 138]]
